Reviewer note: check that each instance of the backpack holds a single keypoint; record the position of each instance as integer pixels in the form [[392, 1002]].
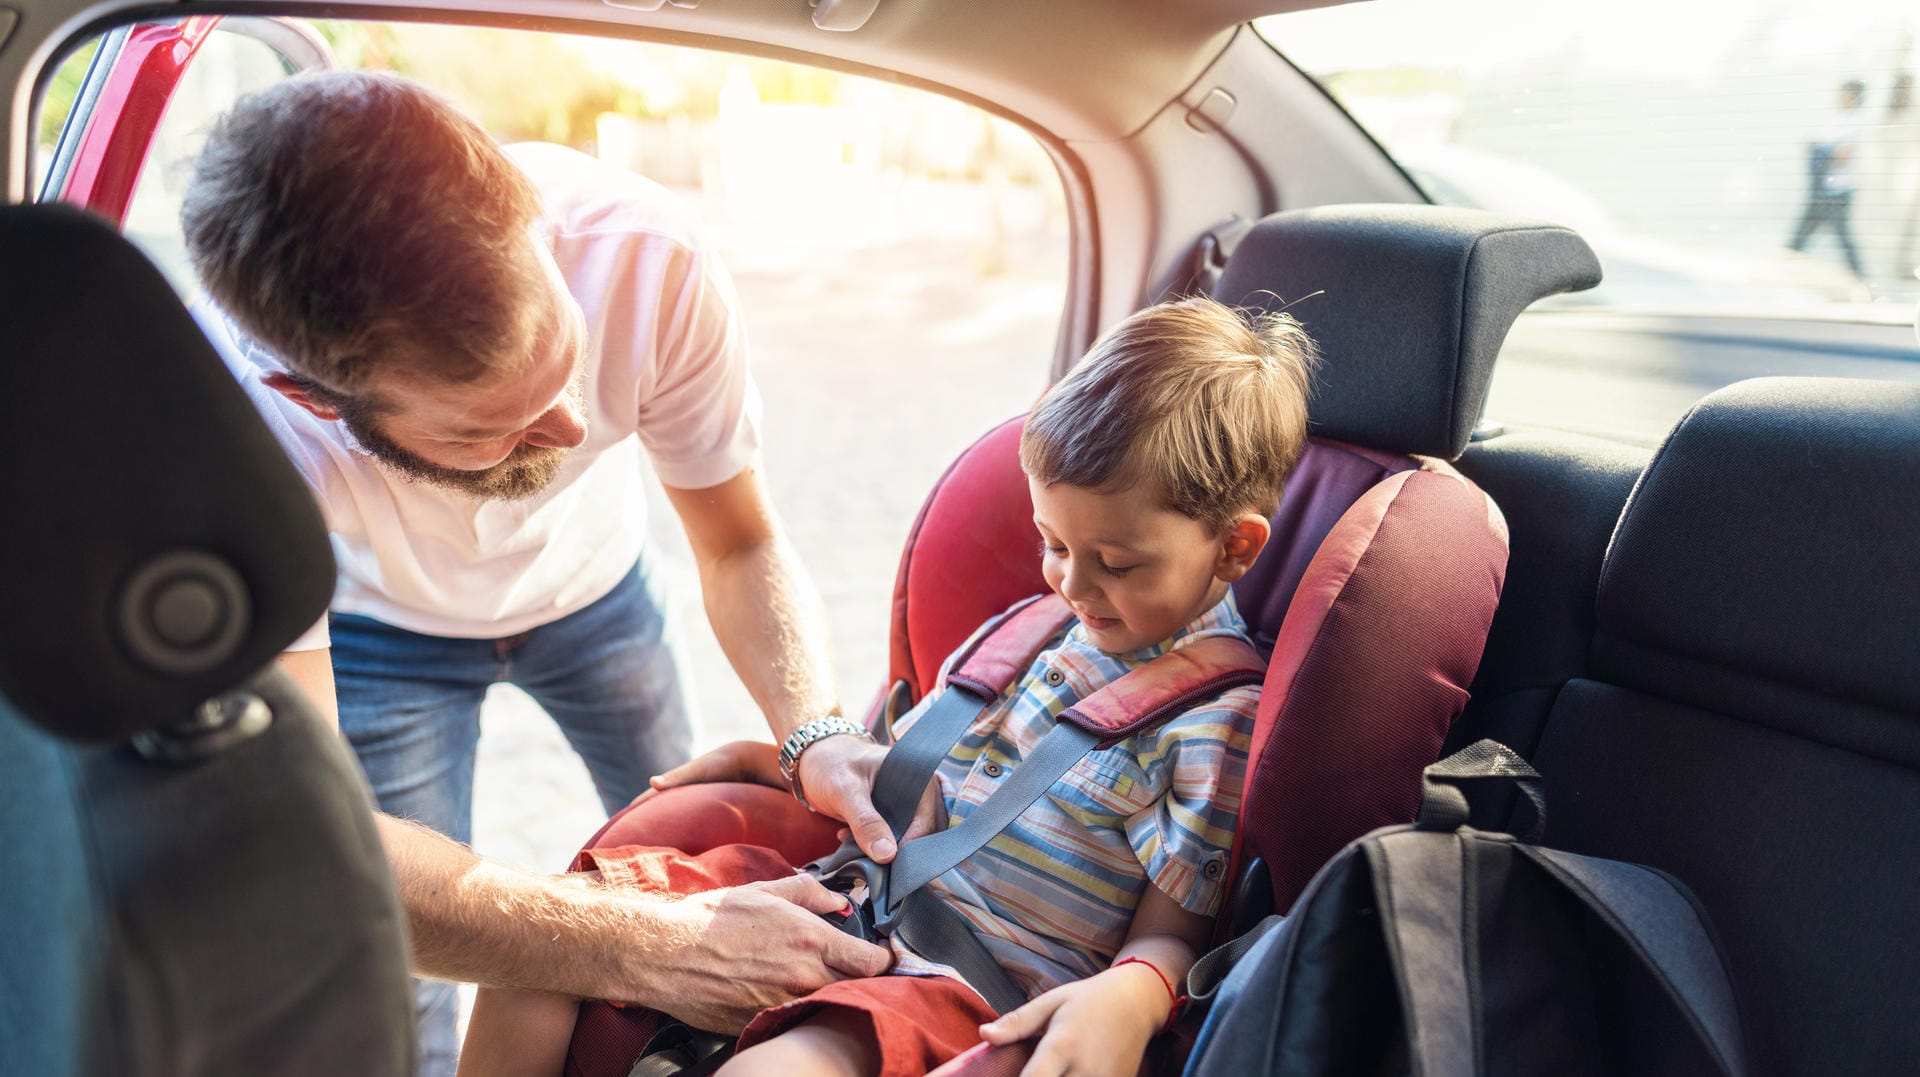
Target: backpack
[[1439, 949]]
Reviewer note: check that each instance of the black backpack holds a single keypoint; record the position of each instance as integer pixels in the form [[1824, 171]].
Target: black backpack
[[1437, 949]]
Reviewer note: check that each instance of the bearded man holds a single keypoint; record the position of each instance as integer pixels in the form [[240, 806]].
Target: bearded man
[[465, 350]]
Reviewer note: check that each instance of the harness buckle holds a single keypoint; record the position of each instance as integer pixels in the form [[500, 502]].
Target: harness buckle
[[873, 918]]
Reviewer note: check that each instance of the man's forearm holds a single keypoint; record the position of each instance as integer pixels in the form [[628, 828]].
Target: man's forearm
[[478, 921], [769, 621], [712, 959]]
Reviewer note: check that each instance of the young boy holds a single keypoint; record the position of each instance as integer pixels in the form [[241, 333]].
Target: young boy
[[1153, 467]]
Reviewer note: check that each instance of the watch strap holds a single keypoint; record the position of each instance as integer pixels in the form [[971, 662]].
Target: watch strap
[[806, 736]]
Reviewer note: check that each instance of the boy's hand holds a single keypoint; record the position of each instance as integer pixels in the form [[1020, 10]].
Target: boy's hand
[[1099, 1025], [838, 775]]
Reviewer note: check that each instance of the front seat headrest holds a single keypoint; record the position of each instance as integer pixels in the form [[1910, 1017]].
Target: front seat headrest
[[162, 547], [1409, 305]]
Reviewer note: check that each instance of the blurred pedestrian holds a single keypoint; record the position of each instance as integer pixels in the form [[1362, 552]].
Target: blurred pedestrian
[[1830, 176]]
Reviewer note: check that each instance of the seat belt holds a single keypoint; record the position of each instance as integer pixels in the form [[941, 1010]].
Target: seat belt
[[897, 901]]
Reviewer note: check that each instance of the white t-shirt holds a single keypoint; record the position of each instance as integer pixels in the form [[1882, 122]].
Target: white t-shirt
[[666, 369]]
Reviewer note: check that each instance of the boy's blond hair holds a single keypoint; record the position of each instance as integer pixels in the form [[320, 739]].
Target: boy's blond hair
[[1203, 404]]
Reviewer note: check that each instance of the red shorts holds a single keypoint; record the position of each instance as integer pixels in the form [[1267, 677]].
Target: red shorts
[[916, 1022]]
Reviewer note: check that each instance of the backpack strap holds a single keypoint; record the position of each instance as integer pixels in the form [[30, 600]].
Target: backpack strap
[[1658, 920], [1139, 700], [1423, 894]]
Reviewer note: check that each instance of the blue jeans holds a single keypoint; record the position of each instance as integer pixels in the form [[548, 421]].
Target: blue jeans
[[613, 676]]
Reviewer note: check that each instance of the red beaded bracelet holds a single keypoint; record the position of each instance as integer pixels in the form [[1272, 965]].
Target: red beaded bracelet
[[1179, 1000]]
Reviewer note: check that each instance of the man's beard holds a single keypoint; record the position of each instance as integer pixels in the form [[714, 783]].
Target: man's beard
[[525, 472]]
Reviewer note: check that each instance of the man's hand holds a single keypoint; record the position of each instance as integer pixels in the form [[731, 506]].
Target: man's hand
[[736, 952], [838, 775], [1096, 1026], [752, 761], [713, 959]]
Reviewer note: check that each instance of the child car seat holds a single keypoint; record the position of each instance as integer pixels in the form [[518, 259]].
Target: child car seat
[[1374, 595], [193, 880]]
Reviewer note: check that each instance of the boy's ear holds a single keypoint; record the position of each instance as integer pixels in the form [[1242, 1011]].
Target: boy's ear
[[297, 393], [1241, 545]]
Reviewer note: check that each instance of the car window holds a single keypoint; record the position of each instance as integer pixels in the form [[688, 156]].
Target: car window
[[1715, 153], [227, 65], [901, 260]]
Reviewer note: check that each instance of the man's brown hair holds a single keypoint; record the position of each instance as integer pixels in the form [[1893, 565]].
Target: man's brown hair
[[1205, 405], [355, 222]]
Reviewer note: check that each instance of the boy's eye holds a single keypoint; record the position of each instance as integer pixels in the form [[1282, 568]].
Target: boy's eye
[[1046, 548], [1117, 570]]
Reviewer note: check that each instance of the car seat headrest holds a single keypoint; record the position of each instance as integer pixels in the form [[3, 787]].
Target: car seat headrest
[[1772, 540], [163, 548], [1409, 305]]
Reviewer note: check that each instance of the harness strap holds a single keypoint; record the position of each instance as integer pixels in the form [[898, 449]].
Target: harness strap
[[1144, 697]]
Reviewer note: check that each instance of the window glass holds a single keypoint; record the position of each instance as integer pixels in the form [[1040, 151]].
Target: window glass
[[226, 66], [1720, 155]]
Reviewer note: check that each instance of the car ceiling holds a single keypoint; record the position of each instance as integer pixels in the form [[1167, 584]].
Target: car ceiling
[[1080, 70]]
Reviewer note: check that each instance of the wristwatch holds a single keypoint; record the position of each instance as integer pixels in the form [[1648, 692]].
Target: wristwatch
[[800, 739]]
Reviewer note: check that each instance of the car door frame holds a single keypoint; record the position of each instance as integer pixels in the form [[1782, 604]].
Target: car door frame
[[123, 97]]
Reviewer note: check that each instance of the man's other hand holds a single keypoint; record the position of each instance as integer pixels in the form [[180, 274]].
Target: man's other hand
[[752, 761], [838, 775]]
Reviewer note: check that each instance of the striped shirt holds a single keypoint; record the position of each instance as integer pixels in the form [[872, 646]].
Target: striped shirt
[[1053, 895]]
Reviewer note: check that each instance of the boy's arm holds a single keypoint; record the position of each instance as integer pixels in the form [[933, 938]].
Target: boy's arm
[[1102, 1024]]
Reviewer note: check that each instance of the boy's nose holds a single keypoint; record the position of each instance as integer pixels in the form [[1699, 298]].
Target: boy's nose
[[562, 427], [1076, 587]]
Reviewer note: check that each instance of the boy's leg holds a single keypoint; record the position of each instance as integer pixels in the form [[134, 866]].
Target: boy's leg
[[517, 1034], [838, 1043], [910, 1024], [410, 706], [615, 677]]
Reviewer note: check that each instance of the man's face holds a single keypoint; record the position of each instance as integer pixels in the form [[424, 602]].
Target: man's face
[[503, 437]]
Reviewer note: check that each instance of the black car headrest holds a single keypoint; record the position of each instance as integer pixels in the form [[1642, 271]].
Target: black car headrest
[[161, 547], [1772, 539], [1409, 305]]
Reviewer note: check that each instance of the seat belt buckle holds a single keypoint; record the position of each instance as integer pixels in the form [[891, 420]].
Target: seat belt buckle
[[870, 918]]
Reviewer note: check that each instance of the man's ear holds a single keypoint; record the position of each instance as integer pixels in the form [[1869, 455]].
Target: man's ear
[[1241, 546], [294, 391]]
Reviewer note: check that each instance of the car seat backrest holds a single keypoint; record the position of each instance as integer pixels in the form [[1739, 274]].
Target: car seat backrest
[[194, 882], [1751, 720], [1415, 302]]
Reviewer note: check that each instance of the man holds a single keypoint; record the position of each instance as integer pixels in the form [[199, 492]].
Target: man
[[459, 348], [1830, 183]]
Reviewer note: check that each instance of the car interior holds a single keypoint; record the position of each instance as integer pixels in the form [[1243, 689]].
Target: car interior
[[1703, 642]]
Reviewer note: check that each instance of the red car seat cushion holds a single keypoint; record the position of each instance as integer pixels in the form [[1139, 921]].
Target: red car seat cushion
[[971, 553]]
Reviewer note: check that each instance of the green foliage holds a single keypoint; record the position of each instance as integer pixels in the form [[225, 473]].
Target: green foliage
[[58, 103]]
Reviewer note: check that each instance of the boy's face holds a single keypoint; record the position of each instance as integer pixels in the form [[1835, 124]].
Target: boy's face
[[1133, 571]]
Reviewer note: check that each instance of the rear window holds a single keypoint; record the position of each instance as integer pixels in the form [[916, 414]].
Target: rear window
[[1722, 156]]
